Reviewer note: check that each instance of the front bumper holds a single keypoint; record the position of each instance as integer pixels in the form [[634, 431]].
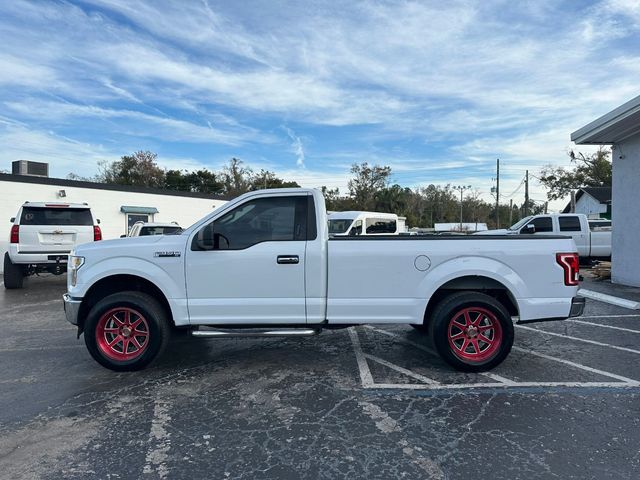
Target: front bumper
[[577, 306], [71, 308]]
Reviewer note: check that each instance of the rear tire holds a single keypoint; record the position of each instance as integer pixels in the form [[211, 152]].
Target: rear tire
[[126, 331], [13, 275], [471, 331]]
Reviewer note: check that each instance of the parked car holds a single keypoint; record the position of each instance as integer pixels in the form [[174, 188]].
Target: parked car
[[365, 223], [266, 260], [42, 235], [592, 239], [141, 229]]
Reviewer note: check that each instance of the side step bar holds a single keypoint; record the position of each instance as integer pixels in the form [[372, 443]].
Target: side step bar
[[281, 332]]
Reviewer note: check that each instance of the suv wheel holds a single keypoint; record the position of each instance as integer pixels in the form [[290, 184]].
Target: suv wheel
[[126, 331], [13, 274]]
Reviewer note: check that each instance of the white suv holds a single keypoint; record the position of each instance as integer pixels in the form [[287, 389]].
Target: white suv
[[43, 235]]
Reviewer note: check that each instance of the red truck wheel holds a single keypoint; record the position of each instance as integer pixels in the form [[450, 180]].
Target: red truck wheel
[[471, 331], [126, 331]]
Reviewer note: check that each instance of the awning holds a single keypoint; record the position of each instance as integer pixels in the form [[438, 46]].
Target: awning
[[143, 210]]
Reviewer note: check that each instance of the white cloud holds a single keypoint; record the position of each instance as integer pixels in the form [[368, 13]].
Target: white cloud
[[297, 146]]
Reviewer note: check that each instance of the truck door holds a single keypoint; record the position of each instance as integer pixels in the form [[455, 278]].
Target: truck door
[[570, 226], [247, 266]]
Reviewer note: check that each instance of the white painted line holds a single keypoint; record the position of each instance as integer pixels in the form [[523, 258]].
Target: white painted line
[[365, 374], [629, 381], [159, 442], [603, 326], [593, 342], [631, 315], [603, 297], [499, 378], [427, 349], [399, 369], [463, 386]]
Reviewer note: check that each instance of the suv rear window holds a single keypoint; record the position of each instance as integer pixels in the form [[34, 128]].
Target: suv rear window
[[56, 216]]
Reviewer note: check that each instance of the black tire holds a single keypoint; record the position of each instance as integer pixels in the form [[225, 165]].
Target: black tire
[[13, 275], [156, 323], [441, 327]]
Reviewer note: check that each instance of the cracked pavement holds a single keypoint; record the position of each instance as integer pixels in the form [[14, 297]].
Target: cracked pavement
[[297, 408]]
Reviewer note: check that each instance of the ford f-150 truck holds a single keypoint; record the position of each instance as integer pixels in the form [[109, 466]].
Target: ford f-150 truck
[[263, 264], [592, 241]]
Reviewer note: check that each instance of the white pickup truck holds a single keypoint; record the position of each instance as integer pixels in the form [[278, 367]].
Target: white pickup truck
[[263, 264], [592, 240]]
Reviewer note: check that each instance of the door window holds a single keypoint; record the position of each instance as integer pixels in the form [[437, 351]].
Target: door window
[[356, 229], [275, 219], [569, 224], [542, 224]]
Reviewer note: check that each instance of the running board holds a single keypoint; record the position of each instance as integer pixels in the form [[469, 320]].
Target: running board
[[281, 332]]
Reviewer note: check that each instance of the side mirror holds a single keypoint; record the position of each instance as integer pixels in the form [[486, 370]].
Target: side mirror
[[528, 229], [98, 221], [123, 236], [12, 219]]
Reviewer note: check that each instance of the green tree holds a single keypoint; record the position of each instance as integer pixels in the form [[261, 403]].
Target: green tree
[[366, 183], [267, 179], [138, 169], [236, 178], [589, 171]]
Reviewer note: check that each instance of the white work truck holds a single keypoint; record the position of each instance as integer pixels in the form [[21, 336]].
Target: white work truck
[[593, 238], [264, 264]]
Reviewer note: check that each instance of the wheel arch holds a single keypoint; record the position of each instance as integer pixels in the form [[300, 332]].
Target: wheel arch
[[120, 283]]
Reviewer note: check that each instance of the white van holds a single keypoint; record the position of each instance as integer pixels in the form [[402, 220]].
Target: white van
[[365, 223]]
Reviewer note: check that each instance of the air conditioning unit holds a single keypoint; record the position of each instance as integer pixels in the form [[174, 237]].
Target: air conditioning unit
[[26, 167]]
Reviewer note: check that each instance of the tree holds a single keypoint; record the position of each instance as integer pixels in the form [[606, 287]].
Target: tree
[[203, 181], [366, 183], [236, 178], [138, 169], [590, 171], [267, 179]]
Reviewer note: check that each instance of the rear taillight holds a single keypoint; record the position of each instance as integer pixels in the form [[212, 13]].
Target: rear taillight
[[97, 233], [570, 263], [15, 234]]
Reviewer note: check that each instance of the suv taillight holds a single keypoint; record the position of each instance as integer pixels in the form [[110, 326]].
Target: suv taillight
[[570, 263], [15, 234], [97, 233]]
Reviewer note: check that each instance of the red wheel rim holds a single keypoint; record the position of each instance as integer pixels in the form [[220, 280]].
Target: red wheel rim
[[475, 334], [122, 334]]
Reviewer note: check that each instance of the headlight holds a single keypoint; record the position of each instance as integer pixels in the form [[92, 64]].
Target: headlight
[[73, 265]]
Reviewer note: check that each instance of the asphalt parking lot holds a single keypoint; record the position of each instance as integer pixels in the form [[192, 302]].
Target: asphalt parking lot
[[356, 403]]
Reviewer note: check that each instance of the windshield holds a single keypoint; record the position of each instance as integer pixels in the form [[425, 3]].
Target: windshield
[[521, 223], [339, 225]]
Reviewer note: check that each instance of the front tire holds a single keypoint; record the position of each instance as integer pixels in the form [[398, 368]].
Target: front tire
[[126, 331], [13, 275], [471, 331]]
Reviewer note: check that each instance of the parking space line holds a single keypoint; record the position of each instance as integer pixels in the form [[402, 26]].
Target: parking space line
[[399, 369], [603, 297], [626, 380], [365, 374], [629, 315], [464, 386], [500, 378], [582, 322], [593, 342]]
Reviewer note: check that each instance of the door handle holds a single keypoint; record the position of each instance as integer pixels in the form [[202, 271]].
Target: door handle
[[283, 259]]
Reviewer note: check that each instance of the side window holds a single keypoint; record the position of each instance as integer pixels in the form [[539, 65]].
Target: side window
[[275, 219], [542, 224], [569, 224], [381, 225]]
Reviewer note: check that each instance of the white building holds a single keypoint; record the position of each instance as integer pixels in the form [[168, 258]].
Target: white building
[[620, 128], [117, 206], [594, 202]]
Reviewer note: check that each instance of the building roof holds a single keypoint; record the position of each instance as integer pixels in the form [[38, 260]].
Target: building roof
[[601, 194], [613, 127], [63, 182]]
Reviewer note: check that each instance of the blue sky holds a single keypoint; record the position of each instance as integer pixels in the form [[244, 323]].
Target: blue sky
[[436, 90]]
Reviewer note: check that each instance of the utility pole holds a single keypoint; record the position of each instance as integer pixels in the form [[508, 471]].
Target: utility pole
[[498, 193], [526, 194], [511, 211], [462, 188]]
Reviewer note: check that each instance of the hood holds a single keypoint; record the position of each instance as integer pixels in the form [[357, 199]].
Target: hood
[[131, 245]]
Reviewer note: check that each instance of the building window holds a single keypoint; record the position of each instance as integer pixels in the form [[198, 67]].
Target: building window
[[132, 218]]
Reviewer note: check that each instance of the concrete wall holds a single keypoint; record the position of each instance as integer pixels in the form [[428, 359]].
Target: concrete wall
[[625, 217], [105, 205]]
